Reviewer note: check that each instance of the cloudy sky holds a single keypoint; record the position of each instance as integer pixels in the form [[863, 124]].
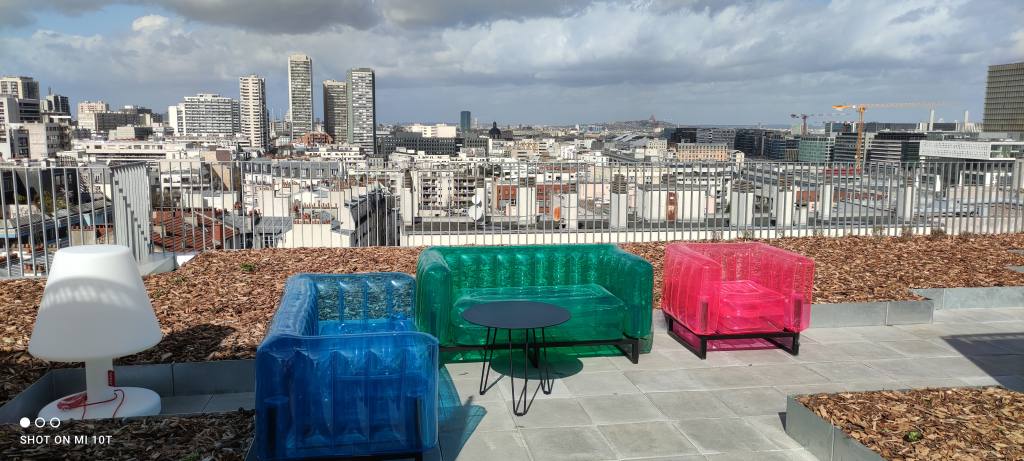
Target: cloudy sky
[[529, 61]]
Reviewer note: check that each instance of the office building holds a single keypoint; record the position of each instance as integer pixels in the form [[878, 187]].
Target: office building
[[440, 130], [88, 107], [416, 142], [895, 146], [33, 141], [103, 122], [300, 94], [690, 152], [1004, 99], [972, 150], [336, 110], [208, 114], [816, 148], [362, 109], [725, 136], [682, 135], [750, 141], [57, 105], [252, 105], [465, 122], [19, 87], [844, 150]]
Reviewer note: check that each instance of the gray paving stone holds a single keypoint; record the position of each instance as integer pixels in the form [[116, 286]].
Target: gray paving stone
[[882, 333], [920, 348], [613, 409], [775, 375], [469, 390], [755, 356], [566, 444], [689, 404], [493, 416], [930, 382], [831, 335], [552, 413], [863, 350], [220, 403], [847, 371], [771, 426], [804, 389], [656, 360], [723, 435], [753, 401], [728, 378], [937, 367], [663, 380], [781, 455], [647, 439], [818, 353], [506, 445], [604, 383], [674, 458]]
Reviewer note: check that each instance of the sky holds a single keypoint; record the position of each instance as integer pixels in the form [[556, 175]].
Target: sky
[[530, 61]]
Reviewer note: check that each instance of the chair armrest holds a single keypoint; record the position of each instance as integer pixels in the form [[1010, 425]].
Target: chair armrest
[[690, 288], [792, 275], [631, 279], [296, 313], [434, 297]]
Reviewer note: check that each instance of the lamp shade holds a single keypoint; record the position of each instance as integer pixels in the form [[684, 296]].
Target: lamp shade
[[94, 306]]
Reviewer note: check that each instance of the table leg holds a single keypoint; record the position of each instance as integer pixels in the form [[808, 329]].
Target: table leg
[[519, 402], [485, 371], [547, 384]]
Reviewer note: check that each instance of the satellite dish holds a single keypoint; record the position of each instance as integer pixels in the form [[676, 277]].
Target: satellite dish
[[476, 210]]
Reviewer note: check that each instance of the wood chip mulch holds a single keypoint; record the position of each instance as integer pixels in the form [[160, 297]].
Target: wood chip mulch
[[221, 437], [218, 306], [930, 424]]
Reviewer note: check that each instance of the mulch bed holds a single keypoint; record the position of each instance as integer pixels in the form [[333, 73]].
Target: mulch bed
[[224, 436], [930, 424], [218, 306]]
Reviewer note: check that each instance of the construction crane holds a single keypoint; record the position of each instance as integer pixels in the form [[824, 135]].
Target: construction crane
[[860, 108], [803, 130]]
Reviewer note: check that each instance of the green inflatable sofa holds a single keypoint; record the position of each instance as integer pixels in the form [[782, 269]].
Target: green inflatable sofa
[[607, 290]]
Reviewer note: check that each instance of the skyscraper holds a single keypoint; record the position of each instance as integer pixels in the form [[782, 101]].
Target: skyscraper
[[252, 102], [464, 122], [19, 87], [300, 93], [1004, 98], [336, 110], [362, 109]]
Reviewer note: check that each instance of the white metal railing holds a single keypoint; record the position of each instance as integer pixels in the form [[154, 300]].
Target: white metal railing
[[190, 206]]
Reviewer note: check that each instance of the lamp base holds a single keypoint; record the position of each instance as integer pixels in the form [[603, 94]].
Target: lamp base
[[135, 401]]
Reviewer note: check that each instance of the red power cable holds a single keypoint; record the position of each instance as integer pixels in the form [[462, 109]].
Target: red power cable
[[81, 400]]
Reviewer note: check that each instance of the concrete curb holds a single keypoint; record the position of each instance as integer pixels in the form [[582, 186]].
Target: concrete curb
[[832, 315], [825, 441], [166, 379]]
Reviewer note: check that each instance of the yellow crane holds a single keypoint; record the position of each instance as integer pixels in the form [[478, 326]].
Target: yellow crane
[[860, 108]]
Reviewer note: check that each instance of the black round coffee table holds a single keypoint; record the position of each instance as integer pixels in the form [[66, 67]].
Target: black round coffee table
[[529, 316]]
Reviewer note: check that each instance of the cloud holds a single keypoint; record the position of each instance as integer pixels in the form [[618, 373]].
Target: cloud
[[695, 61], [150, 23]]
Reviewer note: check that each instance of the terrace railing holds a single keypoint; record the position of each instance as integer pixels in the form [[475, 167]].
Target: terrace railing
[[190, 206]]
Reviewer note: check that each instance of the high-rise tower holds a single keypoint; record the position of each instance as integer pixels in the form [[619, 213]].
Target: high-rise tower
[[362, 109], [300, 93], [336, 110], [252, 97]]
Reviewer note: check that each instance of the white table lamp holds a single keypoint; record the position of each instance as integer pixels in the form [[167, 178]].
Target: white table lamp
[[95, 308]]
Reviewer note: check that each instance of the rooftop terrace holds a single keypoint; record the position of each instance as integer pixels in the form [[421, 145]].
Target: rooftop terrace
[[730, 406]]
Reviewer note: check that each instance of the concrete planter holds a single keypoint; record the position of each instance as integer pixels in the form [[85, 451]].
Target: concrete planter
[[184, 388], [825, 441], [831, 315]]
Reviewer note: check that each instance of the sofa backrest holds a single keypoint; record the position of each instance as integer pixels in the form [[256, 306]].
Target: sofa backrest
[[526, 265], [351, 300]]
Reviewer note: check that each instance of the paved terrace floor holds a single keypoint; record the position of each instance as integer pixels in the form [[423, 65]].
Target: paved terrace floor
[[673, 406]]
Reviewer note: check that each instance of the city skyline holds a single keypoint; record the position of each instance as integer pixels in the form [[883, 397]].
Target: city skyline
[[532, 62]]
